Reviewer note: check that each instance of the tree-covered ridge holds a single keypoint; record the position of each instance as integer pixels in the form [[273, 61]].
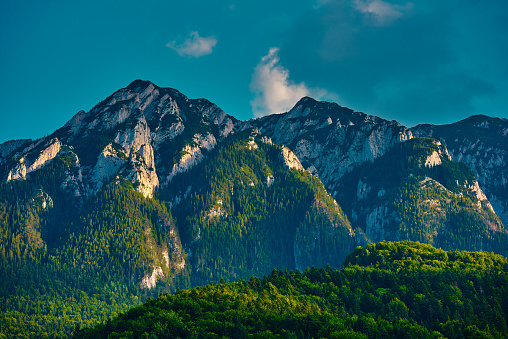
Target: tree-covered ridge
[[481, 142], [72, 261], [398, 290], [123, 233], [415, 192], [246, 212], [410, 256], [432, 214], [62, 265]]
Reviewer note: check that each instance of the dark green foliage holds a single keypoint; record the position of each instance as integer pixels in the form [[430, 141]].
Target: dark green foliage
[[61, 266], [86, 259], [430, 214], [431, 204], [91, 146], [69, 266], [236, 224], [392, 290], [479, 141]]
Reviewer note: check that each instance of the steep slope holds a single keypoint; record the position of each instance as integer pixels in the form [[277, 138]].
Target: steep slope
[[250, 207], [482, 143], [87, 212], [331, 140], [144, 133], [416, 192], [151, 191], [392, 290], [61, 265]]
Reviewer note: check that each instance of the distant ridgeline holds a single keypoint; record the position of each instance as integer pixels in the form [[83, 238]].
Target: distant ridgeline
[[151, 192], [393, 290]]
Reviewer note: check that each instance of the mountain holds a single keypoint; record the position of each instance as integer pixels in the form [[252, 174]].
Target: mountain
[[151, 191], [480, 142], [385, 290], [144, 133], [416, 192], [392, 185], [331, 140], [81, 219], [254, 199]]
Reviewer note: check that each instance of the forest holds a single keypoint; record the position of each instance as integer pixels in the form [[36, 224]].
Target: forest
[[67, 262], [384, 290], [71, 265]]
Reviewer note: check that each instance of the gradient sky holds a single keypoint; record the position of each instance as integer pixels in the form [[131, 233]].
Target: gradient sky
[[415, 61]]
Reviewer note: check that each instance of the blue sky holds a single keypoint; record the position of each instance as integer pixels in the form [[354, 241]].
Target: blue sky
[[411, 61]]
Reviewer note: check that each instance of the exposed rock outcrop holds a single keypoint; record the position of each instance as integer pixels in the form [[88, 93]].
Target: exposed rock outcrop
[[330, 140], [482, 143]]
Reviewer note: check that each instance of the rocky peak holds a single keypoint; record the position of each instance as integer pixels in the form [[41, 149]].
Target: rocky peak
[[330, 140], [139, 85], [482, 143], [143, 133]]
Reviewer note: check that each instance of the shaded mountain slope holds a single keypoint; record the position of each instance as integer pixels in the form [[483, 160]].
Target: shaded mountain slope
[[251, 207], [416, 192], [482, 143], [151, 191], [331, 140]]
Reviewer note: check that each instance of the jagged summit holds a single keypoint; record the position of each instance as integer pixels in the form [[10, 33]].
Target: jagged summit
[[155, 189], [313, 108], [150, 135], [138, 83], [141, 86], [329, 139], [143, 132], [479, 118]]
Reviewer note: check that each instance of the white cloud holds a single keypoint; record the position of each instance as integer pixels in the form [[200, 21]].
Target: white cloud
[[274, 92], [381, 12], [194, 46]]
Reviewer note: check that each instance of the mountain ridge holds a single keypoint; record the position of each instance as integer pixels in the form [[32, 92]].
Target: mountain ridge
[[167, 192], [329, 140]]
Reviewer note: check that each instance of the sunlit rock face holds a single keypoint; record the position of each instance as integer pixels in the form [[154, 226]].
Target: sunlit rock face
[[330, 140], [143, 133], [482, 143], [151, 136]]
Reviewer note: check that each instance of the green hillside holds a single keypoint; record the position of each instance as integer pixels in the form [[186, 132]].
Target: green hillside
[[57, 272], [401, 290], [401, 196], [67, 262], [237, 223]]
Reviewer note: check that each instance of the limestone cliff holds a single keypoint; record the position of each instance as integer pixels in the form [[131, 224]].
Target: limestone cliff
[[330, 140], [482, 143]]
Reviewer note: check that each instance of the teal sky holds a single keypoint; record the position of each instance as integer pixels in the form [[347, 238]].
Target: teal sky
[[412, 61]]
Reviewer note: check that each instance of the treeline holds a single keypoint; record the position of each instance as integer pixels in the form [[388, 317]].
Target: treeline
[[402, 290], [432, 205], [247, 213], [67, 262], [64, 264]]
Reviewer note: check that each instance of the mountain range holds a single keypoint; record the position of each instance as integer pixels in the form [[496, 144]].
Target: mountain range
[[151, 191]]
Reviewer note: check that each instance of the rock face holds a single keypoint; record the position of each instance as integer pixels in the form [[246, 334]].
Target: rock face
[[290, 159], [482, 143], [143, 133], [330, 140], [42, 154], [157, 139], [416, 192]]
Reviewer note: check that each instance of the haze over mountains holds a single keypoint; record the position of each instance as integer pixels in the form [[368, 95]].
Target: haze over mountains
[[153, 191]]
